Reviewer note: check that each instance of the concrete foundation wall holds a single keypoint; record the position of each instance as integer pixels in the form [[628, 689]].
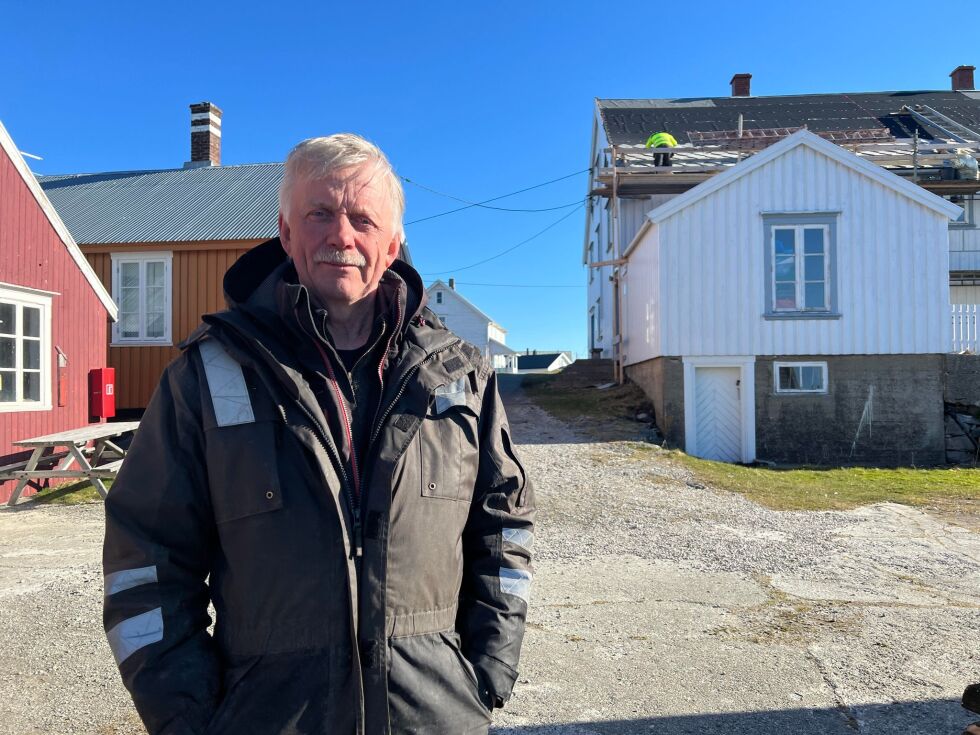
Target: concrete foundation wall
[[962, 373], [662, 379], [879, 409]]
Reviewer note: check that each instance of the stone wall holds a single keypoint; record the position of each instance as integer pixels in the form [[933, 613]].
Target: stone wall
[[962, 397], [879, 410], [662, 379]]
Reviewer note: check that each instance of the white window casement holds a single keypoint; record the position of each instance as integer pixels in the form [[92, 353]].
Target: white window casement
[[438, 297], [800, 266], [970, 207], [142, 289], [800, 377], [25, 349]]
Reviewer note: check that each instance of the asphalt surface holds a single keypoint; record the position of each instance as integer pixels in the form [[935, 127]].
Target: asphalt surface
[[657, 607]]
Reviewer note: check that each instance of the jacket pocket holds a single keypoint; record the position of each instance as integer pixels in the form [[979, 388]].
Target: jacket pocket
[[243, 471], [449, 442], [431, 688]]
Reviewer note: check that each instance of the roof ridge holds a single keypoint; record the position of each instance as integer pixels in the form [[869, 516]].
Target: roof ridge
[[157, 170]]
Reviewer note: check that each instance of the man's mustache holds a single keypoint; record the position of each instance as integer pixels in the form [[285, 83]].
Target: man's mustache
[[339, 257]]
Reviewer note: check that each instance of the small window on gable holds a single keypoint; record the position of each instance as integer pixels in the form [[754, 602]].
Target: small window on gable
[[800, 377], [438, 297]]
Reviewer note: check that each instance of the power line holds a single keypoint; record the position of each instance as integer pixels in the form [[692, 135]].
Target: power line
[[517, 285], [508, 250], [469, 205]]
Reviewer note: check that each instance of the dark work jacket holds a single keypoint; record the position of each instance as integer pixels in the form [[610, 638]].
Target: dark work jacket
[[389, 606]]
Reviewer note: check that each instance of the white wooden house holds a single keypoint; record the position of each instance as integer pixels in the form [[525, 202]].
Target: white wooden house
[[794, 308], [911, 133], [471, 324]]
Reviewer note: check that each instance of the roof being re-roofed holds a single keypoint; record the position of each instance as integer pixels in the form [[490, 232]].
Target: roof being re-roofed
[[631, 122], [177, 205]]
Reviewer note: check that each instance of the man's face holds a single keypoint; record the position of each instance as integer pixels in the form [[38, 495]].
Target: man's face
[[340, 233]]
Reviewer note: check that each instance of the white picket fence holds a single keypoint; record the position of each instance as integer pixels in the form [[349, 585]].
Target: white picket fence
[[966, 327]]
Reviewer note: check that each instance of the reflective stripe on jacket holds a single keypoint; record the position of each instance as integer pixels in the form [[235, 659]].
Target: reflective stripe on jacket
[[233, 491]]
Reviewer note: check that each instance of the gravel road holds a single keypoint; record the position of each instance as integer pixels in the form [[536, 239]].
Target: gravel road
[[658, 607]]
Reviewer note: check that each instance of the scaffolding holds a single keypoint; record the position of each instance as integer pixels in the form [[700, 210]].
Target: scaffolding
[[629, 170]]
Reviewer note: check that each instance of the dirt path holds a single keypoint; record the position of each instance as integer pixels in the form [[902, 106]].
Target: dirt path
[[657, 607]]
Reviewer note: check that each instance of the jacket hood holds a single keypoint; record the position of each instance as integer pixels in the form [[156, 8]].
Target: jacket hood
[[245, 283]]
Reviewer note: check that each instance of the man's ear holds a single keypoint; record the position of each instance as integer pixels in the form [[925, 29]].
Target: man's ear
[[393, 247], [284, 233]]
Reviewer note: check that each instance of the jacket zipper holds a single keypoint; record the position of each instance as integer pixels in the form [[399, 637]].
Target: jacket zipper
[[355, 497], [404, 385]]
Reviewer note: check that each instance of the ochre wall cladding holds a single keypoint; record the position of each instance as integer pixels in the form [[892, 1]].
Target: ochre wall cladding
[[662, 379], [879, 410], [197, 278]]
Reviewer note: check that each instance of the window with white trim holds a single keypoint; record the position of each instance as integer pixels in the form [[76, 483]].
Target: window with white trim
[[801, 251], [438, 297], [968, 218], [800, 377], [25, 350], [142, 288], [800, 272]]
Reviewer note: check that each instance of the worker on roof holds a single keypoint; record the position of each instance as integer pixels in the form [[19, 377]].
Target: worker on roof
[[661, 140]]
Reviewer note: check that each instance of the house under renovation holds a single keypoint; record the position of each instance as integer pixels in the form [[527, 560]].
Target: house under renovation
[[782, 290]]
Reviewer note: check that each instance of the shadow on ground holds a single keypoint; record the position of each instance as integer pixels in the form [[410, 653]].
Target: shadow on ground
[[929, 717]]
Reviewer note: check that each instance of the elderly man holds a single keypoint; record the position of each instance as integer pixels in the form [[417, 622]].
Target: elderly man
[[332, 468]]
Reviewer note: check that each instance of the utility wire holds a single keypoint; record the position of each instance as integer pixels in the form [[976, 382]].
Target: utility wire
[[511, 248], [470, 205], [517, 285]]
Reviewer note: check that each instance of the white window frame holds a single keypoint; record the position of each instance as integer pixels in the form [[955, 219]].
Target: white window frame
[[438, 297], [22, 296], [143, 258], [791, 391], [969, 204], [800, 262]]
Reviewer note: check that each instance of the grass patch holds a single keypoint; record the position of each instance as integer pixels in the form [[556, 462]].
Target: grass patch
[[74, 493], [839, 488], [607, 416], [566, 402]]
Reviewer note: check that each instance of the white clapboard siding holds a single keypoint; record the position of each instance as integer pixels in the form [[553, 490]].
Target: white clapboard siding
[[695, 281], [964, 294], [966, 327], [964, 248]]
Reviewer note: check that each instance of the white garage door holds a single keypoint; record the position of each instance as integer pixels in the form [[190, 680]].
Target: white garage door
[[718, 416]]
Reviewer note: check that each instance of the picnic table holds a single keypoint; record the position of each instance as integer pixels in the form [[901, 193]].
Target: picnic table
[[67, 448]]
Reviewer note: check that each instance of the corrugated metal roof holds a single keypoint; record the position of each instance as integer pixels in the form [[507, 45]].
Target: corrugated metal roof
[[176, 205], [632, 121]]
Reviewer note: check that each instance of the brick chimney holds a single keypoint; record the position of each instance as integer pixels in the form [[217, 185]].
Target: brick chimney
[[452, 284], [205, 135], [963, 78], [741, 84]]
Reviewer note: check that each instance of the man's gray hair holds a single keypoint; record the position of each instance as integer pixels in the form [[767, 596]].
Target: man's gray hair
[[317, 158]]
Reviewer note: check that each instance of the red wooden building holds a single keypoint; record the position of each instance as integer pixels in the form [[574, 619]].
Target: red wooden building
[[54, 314]]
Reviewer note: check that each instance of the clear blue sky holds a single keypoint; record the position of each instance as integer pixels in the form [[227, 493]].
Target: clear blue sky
[[471, 99]]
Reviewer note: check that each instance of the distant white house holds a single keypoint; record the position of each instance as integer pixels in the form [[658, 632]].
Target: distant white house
[[470, 323], [543, 362]]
